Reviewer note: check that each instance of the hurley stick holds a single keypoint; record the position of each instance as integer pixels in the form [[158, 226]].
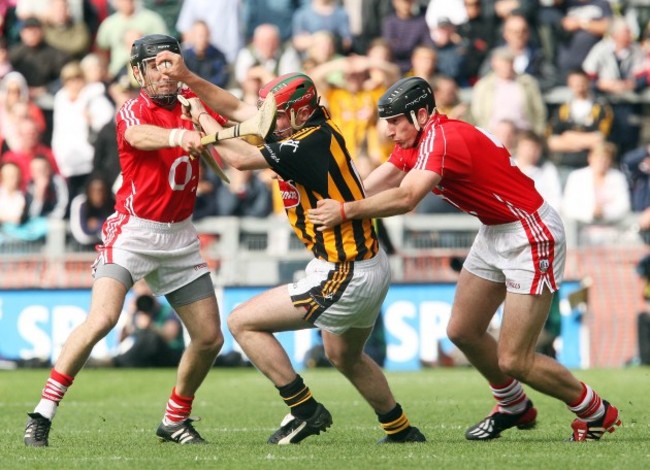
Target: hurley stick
[[259, 125], [205, 154]]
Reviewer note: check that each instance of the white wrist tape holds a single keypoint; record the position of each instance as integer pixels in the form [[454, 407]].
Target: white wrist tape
[[179, 137], [172, 138]]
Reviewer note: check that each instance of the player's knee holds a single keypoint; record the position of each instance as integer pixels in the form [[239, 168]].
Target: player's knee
[[515, 365], [208, 337], [210, 342], [337, 360], [235, 324], [342, 359], [217, 342], [99, 326], [460, 335]]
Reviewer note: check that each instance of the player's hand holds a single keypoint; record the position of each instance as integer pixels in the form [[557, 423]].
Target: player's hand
[[192, 142], [191, 108], [196, 109], [326, 215], [172, 66]]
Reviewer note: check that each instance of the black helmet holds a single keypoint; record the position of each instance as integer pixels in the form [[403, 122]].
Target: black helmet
[[145, 49], [406, 97], [149, 46]]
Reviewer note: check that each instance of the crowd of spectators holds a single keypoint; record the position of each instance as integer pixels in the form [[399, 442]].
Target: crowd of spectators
[[560, 82]]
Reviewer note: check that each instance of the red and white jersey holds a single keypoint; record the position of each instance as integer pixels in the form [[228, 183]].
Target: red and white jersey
[[478, 174], [158, 185]]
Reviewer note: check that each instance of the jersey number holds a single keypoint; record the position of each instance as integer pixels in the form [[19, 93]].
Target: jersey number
[[173, 183]]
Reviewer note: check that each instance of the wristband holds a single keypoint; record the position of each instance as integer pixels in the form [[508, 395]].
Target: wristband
[[172, 137], [343, 216], [179, 138]]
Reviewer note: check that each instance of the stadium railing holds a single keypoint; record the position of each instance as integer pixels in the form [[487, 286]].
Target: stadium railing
[[253, 251]]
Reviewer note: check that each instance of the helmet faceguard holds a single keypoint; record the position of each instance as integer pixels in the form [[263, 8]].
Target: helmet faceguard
[[293, 92], [407, 96], [143, 52]]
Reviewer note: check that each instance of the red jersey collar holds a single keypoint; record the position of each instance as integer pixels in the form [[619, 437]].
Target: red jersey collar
[[435, 119]]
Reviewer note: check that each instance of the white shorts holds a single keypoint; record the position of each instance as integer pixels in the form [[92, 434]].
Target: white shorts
[[166, 255], [341, 296], [527, 255]]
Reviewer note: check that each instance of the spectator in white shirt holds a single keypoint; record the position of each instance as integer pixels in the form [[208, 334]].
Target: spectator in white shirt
[[76, 120], [597, 195]]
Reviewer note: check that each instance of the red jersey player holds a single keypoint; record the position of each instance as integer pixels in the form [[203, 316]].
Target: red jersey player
[[517, 257], [151, 237]]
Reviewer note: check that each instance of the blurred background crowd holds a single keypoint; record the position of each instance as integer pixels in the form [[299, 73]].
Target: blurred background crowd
[[562, 83]]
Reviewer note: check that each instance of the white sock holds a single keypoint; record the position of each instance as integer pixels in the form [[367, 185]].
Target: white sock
[[46, 408]]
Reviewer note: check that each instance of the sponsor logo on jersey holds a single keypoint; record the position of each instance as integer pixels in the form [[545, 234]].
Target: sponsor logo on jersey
[[290, 143], [272, 154], [201, 266], [289, 193]]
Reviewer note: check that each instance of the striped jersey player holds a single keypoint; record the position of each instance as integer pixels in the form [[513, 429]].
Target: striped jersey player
[[344, 285]]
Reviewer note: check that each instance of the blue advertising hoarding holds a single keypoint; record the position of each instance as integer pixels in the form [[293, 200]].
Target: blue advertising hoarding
[[35, 324]]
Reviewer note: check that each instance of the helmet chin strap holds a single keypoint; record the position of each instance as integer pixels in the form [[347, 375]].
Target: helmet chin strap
[[140, 78], [414, 120], [278, 133], [292, 117]]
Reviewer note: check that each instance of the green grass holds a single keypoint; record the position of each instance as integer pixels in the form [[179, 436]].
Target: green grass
[[108, 420]]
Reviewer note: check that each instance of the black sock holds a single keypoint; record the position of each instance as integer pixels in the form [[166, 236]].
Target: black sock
[[395, 423], [298, 397]]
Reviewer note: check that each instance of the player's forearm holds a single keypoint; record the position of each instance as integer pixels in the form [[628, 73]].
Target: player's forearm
[[146, 137], [241, 155], [222, 101], [385, 204], [383, 177]]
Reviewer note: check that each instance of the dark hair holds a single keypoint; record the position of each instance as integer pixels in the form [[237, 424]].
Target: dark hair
[[577, 71], [109, 201], [532, 136], [145, 303]]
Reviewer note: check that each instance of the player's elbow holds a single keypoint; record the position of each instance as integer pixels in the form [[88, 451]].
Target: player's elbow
[[407, 201], [233, 159], [238, 163], [242, 163], [241, 155], [411, 205], [135, 139]]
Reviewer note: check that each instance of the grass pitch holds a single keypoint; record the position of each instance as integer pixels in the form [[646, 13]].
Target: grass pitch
[[109, 417]]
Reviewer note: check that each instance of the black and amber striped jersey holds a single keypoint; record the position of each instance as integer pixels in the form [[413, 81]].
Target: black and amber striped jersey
[[315, 164]]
